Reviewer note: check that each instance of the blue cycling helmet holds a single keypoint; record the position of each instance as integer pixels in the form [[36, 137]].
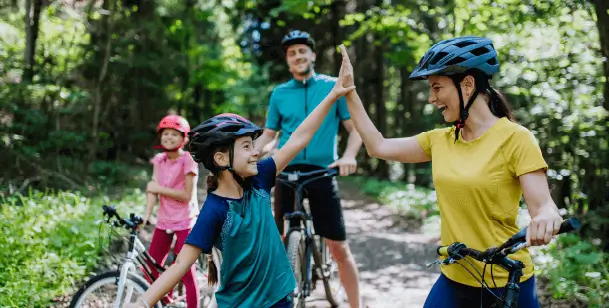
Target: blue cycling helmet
[[458, 55], [297, 37], [456, 58]]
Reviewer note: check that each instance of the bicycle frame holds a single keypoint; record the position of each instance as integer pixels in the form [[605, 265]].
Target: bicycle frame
[[301, 215], [136, 255]]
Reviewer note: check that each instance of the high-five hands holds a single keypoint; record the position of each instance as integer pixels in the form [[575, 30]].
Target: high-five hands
[[344, 83]]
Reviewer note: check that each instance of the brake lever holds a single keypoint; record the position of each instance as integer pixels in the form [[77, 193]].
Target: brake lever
[[447, 261], [517, 247]]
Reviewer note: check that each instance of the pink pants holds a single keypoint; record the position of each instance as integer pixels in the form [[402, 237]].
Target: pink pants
[[159, 249]]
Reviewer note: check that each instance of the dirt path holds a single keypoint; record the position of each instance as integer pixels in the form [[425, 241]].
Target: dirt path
[[390, 255]]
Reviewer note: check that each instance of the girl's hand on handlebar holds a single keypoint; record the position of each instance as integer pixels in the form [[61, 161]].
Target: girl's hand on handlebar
[[543, 226]]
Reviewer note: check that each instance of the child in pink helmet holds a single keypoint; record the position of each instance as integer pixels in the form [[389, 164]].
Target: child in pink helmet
[[174, 182]]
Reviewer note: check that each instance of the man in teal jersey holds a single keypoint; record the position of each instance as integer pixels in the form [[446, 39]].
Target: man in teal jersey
[[289, 105]]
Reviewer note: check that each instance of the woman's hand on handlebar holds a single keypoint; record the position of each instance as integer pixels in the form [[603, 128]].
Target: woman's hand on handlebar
[[543, 226], [346, 165]]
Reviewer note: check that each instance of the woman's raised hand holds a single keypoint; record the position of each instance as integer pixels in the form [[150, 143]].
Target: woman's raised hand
[[344, 83]]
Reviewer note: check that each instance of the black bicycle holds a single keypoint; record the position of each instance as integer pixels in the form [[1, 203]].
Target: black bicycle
[[303, 244], [498, 256], [115, 288]]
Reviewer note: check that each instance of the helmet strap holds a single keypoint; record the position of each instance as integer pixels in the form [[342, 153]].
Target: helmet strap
[[242, 182], [463, 108]]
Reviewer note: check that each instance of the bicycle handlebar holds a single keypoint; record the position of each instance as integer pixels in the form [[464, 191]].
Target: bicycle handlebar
[[322, 172], [458, 250], [130, 223]]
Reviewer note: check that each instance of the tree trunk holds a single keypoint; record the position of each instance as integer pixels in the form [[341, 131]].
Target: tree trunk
[[106, 21], [602, 22], [32, 22], [338, 12]]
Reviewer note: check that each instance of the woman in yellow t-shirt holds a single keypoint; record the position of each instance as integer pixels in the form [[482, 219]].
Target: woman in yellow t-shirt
[[481, 167]]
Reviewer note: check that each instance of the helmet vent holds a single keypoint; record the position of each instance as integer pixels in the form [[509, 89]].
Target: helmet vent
[[479, 51], [438, 57], [463, 44], [455, 61]]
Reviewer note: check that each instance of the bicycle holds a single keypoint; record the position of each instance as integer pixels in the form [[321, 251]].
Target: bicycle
[[497, 256], [303, 244], [124, 281]]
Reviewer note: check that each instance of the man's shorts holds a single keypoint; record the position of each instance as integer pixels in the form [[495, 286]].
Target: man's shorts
[[324, 203]]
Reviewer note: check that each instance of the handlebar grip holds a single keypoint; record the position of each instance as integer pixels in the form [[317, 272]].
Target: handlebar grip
[[566, 226], [569, 225], [110, 210], [442, 251]]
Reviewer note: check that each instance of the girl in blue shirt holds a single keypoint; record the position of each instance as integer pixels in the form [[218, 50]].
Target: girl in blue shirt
[[236, 217]]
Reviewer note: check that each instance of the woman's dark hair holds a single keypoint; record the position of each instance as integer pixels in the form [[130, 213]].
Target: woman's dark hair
[[498, 102]]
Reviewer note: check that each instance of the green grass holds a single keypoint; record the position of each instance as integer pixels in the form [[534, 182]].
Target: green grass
[[49, 243]]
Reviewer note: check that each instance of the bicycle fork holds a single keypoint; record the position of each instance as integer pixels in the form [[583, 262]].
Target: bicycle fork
[[126, 268]]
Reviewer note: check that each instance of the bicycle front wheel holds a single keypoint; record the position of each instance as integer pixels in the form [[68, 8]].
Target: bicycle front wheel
[[101, 291], [296, 255]]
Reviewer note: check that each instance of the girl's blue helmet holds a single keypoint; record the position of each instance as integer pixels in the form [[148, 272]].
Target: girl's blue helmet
[[458, 55]]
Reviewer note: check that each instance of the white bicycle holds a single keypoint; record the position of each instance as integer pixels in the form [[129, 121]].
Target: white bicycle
[[116, 288]]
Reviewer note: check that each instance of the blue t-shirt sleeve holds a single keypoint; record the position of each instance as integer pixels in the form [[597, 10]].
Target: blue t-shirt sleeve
[[267, 170], [273, 118], [208, 225], [342, 110]]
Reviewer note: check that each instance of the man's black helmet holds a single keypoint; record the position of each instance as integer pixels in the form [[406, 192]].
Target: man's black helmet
[[297, 37]]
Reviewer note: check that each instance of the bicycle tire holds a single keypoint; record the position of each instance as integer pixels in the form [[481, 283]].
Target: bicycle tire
[[332, 284], [296, 255], [107, 278]]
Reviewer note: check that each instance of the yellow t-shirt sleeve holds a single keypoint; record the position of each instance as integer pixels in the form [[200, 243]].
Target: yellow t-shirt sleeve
[[425, 141], [523, 153]]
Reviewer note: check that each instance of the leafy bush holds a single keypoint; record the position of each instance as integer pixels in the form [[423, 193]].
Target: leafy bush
[[576, 269], [50, 242]]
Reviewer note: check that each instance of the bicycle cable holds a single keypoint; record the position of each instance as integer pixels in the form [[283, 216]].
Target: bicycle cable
[[482, 283]]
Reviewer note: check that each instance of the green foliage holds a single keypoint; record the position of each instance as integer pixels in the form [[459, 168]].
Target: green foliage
[[410, 201], [105, 73], [51, 241], [576, 269]]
